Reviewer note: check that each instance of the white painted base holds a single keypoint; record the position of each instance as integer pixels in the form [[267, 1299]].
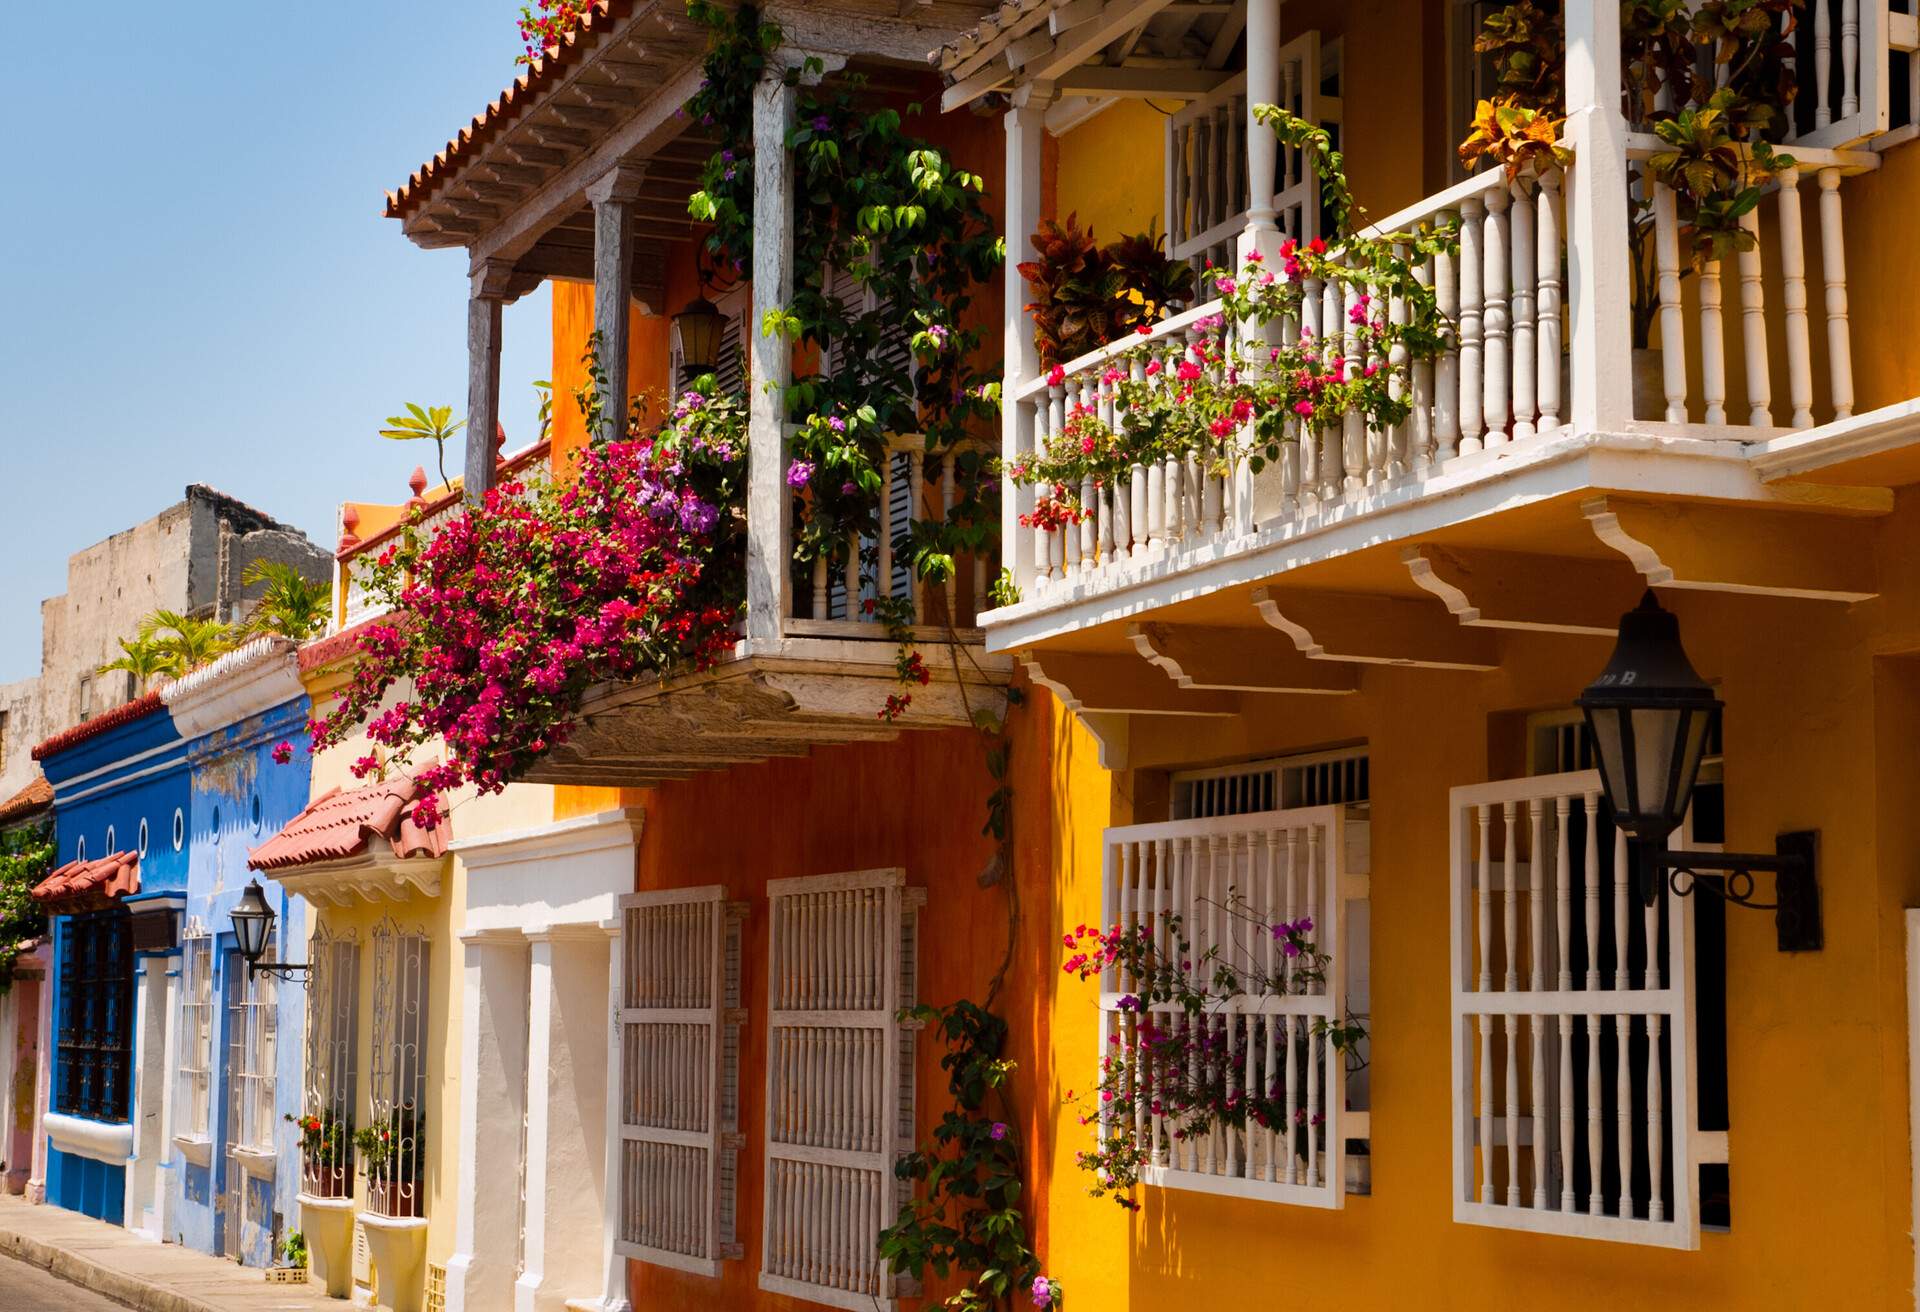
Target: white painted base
[[103, 1142], [327, 1224], [397, 1246]]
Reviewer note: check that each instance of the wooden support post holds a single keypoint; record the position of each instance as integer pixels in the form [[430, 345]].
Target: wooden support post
[[486, 298], [612, 195], [771, 359]]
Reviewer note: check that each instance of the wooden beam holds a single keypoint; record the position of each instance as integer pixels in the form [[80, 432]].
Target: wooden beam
[[1115, 21], [1119, 684], [1516, 590], [1176, 83], [1239, 660], [1228, 36], [1376, 630], [1722, 548]]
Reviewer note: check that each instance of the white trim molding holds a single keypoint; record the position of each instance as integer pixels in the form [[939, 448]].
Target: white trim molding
[[573, 872], [250, 679]]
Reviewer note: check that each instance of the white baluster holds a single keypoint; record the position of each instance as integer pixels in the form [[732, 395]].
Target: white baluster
[[1595, 1203], [1046, 552], [820, 587], [1850, 57], [1446, 366], [1833, 260], [1753, 326], [1525, 259], [1496, 320], [1713, 344], [1484, 898], [1419, 429], [1510, 903], [1472, 376], [1563, 1023], [1673, 319], [883, 582], [1793, 299], [1353, 444], [1822, 64], [1547, 301]]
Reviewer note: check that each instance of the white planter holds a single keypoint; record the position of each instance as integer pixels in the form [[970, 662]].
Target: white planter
[[327, 1224], [397, 1246]]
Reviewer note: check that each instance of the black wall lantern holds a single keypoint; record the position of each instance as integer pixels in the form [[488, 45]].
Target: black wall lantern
[[1649, 715], [696, 336], [252, 927]]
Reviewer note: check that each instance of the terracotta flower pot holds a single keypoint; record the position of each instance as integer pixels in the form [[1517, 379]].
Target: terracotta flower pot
[[393, 1198]]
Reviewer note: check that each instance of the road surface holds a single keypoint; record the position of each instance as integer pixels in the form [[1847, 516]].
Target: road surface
[[26, 1288]]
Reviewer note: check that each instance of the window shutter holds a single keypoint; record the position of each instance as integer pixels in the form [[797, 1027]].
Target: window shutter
[[1562, 1124], [680, 1017], [1277, 865], [195, 1106], [843, 961]]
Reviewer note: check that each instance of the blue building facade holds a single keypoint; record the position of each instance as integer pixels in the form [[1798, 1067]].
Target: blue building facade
[[234, 1167], [120, 812]]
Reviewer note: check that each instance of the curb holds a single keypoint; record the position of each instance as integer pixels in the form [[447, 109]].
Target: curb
[[91, 1275]]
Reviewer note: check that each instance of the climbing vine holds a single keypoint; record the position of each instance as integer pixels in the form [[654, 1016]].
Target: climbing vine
[[26, 856], [891, 243]]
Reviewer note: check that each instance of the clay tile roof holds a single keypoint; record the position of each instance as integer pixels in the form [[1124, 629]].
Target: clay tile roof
[[339, 825], [31, 800], [89, 885], [508, 105], [125, 713]]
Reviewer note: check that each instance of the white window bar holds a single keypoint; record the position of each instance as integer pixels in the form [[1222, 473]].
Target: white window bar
[[333, 1023], [1203, 881], [1277, 784], [395, 1168], [679, 1058], [195, 1090], [842, 962], [1573, 1057]]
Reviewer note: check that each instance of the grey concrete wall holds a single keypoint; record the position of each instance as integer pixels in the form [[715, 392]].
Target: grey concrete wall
[[190, 558]]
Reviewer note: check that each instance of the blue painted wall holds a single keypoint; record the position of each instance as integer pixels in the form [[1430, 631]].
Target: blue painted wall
[[239, 797], [105, 788]]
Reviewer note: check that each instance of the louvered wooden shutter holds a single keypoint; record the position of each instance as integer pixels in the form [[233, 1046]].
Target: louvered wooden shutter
[[1563, 983], [680, 1020], [843, 961]]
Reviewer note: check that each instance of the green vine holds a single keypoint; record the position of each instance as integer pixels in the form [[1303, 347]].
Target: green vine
[[891, 243], [26, 855]]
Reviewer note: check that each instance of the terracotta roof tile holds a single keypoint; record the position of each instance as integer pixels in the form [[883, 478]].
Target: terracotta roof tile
[[31, 800], [338, 825], [89, 885], [126, 713], [506, 106]]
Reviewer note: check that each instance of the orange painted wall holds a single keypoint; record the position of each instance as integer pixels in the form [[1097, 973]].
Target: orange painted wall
[[919, 803], [647, 347]]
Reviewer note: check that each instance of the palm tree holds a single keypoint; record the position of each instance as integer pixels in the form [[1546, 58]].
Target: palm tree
[[143, 659], [292, 605], [186, 643], [434, 425]]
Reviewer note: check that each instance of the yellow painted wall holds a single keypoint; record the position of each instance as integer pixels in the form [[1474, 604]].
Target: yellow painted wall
[[1111, 171], [520, 806], [1819, 733]]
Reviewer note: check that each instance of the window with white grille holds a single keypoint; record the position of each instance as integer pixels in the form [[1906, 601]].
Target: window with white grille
[[842, 962], [333, 1025], [395, 1166], [254, 1022], [195, 1115], [1573, 1008], [1283, 783], [1205, 893], [679, 1056]]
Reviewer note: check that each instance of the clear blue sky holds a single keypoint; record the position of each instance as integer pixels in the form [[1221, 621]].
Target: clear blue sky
[[198, 283]]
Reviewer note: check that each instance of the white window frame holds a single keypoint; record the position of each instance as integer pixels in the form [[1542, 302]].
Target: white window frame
[[842, 961], [402, 986], [193, 1128], [254, 1077], [1281, 865], [332, 1056], [1516, 1003], [677, 1047], [1275, 783]]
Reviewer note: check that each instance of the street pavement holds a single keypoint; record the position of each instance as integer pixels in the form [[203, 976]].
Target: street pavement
[[26, 1288]]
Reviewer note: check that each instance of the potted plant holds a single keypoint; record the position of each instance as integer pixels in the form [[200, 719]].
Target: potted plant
[[390, 1157], [1086, 295], [325, 1158], [292, 1268]]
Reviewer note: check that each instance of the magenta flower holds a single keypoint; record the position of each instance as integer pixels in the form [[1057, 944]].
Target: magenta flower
[[999, 1131], [1044, 1292], [798, 473], [282, 753]]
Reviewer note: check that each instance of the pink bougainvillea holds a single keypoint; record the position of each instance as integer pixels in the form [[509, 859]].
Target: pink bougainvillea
[[505, 616]]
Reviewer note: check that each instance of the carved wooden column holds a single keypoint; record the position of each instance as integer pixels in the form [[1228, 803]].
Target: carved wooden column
[[612, 196], [490, 290]]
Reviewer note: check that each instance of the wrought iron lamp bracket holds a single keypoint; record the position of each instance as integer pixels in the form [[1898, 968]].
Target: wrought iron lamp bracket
[[1796, 887], [286, 970]]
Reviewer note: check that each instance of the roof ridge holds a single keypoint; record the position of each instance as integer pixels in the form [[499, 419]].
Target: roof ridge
[[125, 713]]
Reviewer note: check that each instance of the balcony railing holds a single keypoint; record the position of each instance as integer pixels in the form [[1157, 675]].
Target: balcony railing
[[843, 594], [1499, 380]]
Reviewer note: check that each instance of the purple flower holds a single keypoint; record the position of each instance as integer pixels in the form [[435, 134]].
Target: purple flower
[[999, 1131], [1043, 1292], [847, 489], [821, 122], [798, 473], [837, 424], [726, 156]]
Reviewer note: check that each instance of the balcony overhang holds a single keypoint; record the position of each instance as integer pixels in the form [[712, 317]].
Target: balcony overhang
[[776, 698], [1557, 537]]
